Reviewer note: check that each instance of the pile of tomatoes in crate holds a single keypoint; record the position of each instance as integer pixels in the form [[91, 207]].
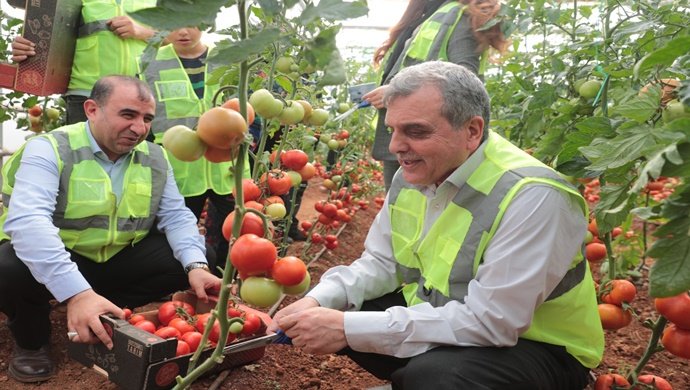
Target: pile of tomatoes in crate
[[178, 319]]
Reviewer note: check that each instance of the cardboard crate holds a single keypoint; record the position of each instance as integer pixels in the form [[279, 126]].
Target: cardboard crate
[[52, 25], [141, 360]]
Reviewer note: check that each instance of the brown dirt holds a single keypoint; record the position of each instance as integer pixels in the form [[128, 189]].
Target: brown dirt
[[287, 368]]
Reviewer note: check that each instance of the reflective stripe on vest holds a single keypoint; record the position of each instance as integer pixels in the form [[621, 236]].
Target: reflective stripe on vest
[[91, 221], [431, 40], [438, 267], [92, 28]]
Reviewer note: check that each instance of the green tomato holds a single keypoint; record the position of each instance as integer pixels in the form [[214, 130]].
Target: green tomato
[[336, 179], [295, 178], [292, 113], [183, 143], [260, 291], [298, 288], [318, 117], [53, 114], [236, 327], [675, 110], [589, 89], [275, 211], [284, 64], [343, 107], [333, 144], [264, 104]]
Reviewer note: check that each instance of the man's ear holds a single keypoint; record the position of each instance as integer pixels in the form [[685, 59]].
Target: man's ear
[[90, 107], [475, 127]]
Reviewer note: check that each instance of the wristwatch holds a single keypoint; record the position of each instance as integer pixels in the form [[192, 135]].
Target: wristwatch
[[196, 265]]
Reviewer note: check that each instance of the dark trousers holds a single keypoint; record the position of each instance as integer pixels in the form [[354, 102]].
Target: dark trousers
[[135, 276], [218, 209], [74, 109], [528, 365]]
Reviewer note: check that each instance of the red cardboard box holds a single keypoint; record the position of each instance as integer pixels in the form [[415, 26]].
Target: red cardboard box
[[52, 25], [141, 360]]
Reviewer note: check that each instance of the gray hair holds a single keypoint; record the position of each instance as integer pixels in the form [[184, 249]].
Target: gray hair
[[463, 94]]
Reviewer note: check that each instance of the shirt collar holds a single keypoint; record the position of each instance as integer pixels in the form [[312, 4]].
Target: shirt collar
[[460, 175]]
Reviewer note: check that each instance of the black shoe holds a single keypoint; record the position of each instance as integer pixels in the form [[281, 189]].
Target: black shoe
[[28, 365], [297, 235]]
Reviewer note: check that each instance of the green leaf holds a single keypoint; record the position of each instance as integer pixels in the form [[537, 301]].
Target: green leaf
[[228, 52], [638, 109], [613, 207], [173, 14], [333, 10], [270, 7], [616, 152], [670, 273], [664, 56], [334, 72]]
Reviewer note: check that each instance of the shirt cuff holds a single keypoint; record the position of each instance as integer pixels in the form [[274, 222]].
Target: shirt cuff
[[68, 285], [329, 295], [369, 331]]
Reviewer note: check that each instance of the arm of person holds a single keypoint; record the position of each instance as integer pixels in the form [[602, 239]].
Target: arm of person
[[462, 46], [125, 28], [30, 218], [531, 251], [180, 227]]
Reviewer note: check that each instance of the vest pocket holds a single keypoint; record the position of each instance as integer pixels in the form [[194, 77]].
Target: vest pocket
[[84, 63]]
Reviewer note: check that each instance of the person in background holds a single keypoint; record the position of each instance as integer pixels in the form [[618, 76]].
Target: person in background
[[108, 42], [84, 207], [431, 30], [473, 274], [178, 76]]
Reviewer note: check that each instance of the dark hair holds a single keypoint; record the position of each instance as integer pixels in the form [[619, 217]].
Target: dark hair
[[103, 88], [463, 94], [479, 11]]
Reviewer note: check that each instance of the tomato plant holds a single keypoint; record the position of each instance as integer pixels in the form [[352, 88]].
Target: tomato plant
[[253, 255]]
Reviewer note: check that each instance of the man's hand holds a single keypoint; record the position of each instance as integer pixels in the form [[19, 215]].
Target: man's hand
[[83, 310], [22, 49], [295, 307], [203, 282], [316, 330], [124, 27], [375, 97]]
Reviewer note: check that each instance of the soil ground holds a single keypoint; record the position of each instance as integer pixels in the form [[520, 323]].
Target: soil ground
[[287, 368]]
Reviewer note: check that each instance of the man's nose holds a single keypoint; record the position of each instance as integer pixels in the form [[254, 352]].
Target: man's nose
[[140, 127], [397, 143]]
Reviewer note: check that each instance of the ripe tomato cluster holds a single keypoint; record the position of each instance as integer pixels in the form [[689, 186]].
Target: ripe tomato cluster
[[613, 381], [179, 320], [676, 337], [615, 294], [265, 276]]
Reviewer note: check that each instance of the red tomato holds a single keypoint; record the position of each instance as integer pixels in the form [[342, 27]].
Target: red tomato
[[288, 271], [251, 224], [193, 339], [607, 381], [676, 309], [620, 290], [306, 225], [253, 255], [201, 321], [128, 313], [252, 323], [136, 318], [169, 310], [331, 238], [316, 238], [677, 341], [181, 324], [279, 182], [613, 317], [294, 159], [330, 210], [167, 332], [182, 348], [331, 245], [146, 325], [234, 312], [595, 251], [273, 199], [250, 191], [657, 382], [307, 172]]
